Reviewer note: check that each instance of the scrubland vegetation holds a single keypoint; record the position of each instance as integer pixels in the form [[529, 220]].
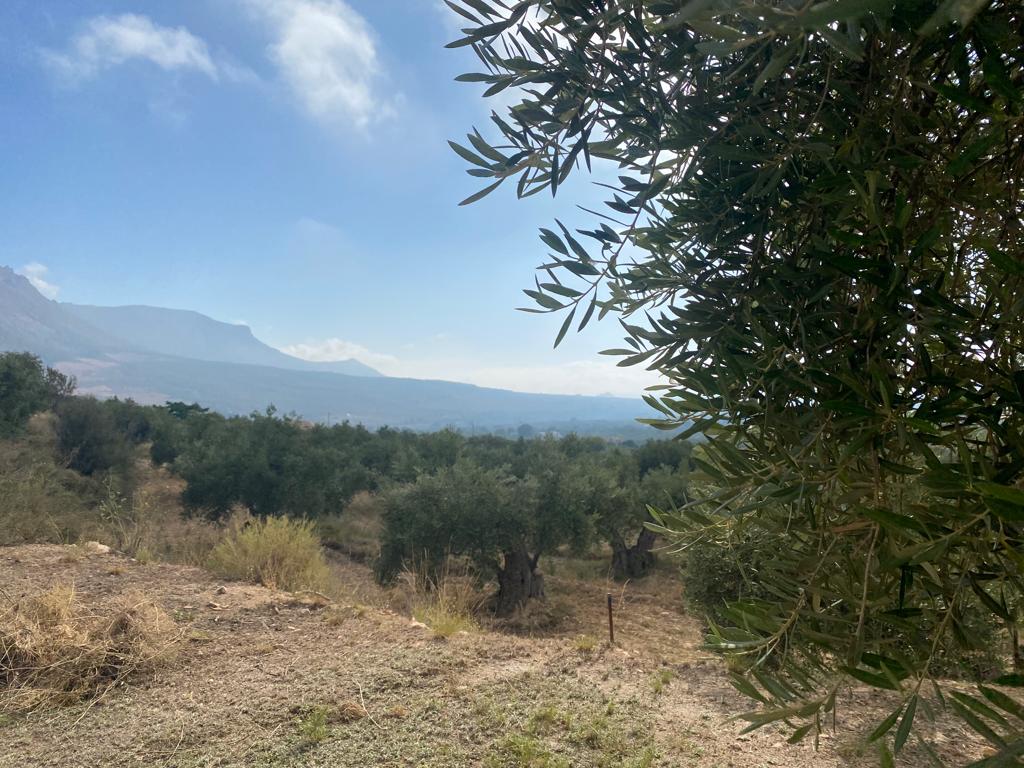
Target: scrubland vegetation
[[398, 500], [463, 533], [814, 237]]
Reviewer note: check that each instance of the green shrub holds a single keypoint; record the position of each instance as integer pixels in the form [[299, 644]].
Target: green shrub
[[27, 387], [313, 726], [275, 551], [88, 437]]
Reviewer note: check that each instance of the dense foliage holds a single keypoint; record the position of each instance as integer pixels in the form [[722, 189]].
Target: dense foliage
[[89, 437], [505, 504], [27, 387], [465, 510], [816, 238], [502, 503]]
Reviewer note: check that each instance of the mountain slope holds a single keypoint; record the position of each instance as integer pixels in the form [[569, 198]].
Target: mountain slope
[[182, 333], [30, 322]]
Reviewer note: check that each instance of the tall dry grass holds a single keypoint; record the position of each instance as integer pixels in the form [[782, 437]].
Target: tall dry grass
[[148, 525], [54, 651], [447, 603]]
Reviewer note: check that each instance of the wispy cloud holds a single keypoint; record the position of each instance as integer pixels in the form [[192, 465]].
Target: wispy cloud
[[109, 41], [330, 350], [323, 51], [327, 55], [36, 274], [578, 377]]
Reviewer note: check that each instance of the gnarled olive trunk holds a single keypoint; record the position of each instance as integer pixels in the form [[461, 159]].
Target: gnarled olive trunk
[[636, 561], [518, 581]]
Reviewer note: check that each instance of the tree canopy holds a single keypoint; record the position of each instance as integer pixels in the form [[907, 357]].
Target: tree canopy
[[814, 234], [503, 523], [27, 387]]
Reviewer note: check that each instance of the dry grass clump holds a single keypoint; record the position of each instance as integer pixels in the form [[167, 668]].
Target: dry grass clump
[[585, 644], [276, 552], [447, 603], [53, 651]]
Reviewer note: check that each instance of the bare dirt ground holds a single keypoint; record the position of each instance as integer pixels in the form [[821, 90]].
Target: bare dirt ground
[[262, 680]]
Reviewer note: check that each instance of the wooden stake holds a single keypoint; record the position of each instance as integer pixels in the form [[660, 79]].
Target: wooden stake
[[611, 623]]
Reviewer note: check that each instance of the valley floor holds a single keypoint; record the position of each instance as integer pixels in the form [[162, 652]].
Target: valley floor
[[253, 664]]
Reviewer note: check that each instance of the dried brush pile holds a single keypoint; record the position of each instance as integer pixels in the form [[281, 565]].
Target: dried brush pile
[[54, 652]]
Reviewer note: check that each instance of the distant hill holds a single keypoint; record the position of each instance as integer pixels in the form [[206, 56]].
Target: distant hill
[[153, 355], [182, 333], [381, 401]]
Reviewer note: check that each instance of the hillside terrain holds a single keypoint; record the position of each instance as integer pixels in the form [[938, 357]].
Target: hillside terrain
[[254, 666], [153, 355], [182, 333]]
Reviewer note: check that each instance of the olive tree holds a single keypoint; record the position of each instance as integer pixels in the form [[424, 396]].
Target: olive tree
[[660, 488], [814, 234], [502, 523]]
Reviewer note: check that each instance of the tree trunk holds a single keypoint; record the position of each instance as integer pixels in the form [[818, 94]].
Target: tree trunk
[[636, 561], [518, 581]]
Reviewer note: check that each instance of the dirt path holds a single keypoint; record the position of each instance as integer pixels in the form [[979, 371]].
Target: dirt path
[[253, 664]]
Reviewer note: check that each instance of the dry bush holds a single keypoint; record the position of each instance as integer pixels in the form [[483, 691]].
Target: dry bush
[[41, 501], [356, 531], [151, 524], [447, 603], [276, 552], [53, 651], [144, 526]]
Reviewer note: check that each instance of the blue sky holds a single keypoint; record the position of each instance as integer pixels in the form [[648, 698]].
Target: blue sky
[[281, 163]]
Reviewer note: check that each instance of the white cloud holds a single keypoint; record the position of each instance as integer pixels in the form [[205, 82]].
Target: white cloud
[[108, 41], [579, 377], [36, 274], [327, 55], [330, 350]]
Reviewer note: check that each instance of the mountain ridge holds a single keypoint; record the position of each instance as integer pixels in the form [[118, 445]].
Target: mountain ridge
[[152, 354], [191, 334]]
